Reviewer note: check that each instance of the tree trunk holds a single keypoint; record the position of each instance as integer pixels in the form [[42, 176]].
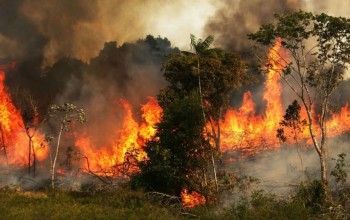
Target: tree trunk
[[53, 168], [34, 162], [29, 154], [204, 118], [320, 150], [299, 154], [214, 170], [4, 145], [324, 181]]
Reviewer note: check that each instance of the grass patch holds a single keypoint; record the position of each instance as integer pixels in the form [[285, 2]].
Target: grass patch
[[121, 204]]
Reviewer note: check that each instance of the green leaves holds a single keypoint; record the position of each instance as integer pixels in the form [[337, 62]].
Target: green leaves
[[291, 120], [339, 169], [199, 46], [179, 150], [293, 28], [318, 46]]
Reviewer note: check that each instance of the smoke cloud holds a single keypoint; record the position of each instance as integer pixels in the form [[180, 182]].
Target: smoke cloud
[[57, 48], [235, 20]]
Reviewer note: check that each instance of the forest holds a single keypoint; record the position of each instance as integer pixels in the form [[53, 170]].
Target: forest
[[149, 130]]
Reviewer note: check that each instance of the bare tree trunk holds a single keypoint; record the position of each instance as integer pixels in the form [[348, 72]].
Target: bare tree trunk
[[204, 118], [53, 168], [34, 162], [320, 149], [29, 154], [323, 162], [214, 169], [299, 154], [302, 164], [4, 145]]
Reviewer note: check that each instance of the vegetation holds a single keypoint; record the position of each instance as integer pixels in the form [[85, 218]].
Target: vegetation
[[318, 47], [214, 72], [181, 152], [64, 114], [186, 147], [178, 155], [121, 204]]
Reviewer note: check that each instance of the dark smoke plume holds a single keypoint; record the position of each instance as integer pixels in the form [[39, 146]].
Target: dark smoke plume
[[230, 26], [234, 21]]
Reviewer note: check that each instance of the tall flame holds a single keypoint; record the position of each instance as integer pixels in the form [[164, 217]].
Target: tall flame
[[13, 138], [243, 129], [131, 137]]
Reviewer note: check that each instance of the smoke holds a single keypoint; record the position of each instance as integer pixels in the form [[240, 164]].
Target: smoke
[[55, 29], [235, 20], [334, 8], [280, 170], [57, 48], [128, 72]]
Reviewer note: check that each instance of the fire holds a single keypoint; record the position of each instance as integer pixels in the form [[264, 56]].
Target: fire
[[190, 200], [13, 138], [245, 130], [242, 129], [128, 140]]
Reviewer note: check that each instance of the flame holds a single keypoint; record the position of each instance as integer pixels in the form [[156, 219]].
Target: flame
[[129, 139], [13, 138], [243, 129], [190, 200]]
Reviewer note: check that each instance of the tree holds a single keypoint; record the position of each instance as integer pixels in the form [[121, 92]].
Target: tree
[[28, 108], [64, 114], [292, 122], [214, 73], [178, 154], [318, 47]]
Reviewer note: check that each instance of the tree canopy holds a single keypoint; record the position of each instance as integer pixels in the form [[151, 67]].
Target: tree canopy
[[316, 50]]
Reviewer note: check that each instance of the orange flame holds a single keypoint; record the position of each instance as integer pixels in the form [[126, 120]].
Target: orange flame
[[130, 137], [190, 200], [241, 129], [245, 130], [13, 138]]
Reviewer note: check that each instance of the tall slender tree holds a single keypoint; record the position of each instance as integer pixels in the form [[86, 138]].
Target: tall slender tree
[[211, 72], [318, 53], [64, 114]]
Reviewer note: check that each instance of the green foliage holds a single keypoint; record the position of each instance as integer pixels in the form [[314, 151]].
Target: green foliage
[[201, 46], [265, 206], [220, 73], [324, 62], [293, 121], [178, 153], [338, 171], [200, 84], [316, 48], [311, 194]]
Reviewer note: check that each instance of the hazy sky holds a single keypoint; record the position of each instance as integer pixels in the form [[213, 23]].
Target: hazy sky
[[79, 28]]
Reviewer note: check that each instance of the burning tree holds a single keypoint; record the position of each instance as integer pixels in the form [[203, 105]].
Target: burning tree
[[195, 101], [28, 108], [64, 114], [178, 154], [318, 49], [214, 72]]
